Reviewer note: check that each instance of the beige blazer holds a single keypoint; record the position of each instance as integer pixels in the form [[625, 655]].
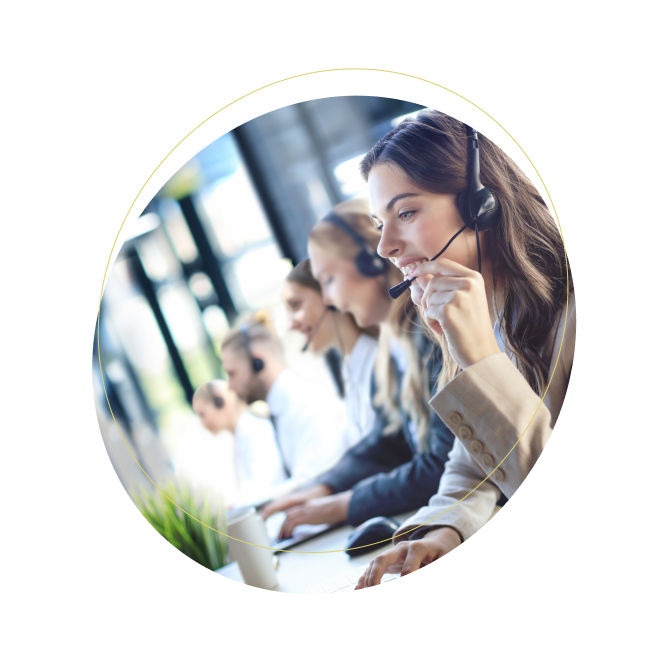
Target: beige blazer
[[489, 407]]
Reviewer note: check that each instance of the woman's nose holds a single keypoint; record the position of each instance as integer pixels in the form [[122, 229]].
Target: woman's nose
[[389, 245], [327, 300], [296, 321]]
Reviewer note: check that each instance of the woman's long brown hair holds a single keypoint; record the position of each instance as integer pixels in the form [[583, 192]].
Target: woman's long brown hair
[[529, 267]]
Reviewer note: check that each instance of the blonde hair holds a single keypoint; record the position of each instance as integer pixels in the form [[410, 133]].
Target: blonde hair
[[206, 392], [402, 324]]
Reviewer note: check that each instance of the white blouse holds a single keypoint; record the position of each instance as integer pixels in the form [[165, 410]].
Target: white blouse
[[258, 465], [356, 369]]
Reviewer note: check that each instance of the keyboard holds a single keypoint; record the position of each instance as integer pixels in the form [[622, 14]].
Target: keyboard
[[346, 582], [300, 534]]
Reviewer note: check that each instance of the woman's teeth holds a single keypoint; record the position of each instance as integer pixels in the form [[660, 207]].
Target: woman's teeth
[[410, 268]]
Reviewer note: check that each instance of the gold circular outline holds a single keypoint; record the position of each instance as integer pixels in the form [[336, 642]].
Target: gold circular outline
[[323, 71]]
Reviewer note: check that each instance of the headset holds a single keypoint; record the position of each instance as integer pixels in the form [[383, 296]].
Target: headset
[[477, 205], [217, 400], [257, 364], [367, 262]]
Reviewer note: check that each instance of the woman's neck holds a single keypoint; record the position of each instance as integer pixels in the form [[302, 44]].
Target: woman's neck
[[349, 333]]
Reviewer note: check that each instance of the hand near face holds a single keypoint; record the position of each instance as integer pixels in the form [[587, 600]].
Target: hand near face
[[330, 510], [454, 303]]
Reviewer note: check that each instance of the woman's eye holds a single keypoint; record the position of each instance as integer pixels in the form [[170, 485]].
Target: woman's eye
[[379, 227], [404, 216]]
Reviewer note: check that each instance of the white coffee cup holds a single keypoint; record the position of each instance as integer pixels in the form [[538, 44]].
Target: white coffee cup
[[255, 563]]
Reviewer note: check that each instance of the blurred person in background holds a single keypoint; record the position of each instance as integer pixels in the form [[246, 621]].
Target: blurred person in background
[[395, 467], [259, 471], [326, 328], [309, 422]]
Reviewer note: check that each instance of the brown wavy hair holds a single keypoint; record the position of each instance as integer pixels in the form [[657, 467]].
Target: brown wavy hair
[[528, 260], [402, 324]]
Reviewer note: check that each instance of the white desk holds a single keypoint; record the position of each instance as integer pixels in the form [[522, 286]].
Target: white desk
[[298, 571]]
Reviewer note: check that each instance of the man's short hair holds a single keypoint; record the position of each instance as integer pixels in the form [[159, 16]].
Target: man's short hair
[[258, 335]]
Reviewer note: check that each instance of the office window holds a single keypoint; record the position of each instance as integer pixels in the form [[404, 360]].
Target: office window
[[128, 313], [240, 235]]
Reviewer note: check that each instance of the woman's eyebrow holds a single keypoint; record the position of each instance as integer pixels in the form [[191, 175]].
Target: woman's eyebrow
[[388, 207]]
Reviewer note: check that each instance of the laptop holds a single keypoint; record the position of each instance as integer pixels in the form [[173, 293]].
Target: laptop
[[300, 534]]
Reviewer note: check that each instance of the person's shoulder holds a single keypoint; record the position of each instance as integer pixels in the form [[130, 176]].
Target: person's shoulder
[[304, 391], [251, 421]]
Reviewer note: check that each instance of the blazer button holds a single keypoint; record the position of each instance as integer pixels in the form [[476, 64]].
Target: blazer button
[[465, 433], [487, 459], [476, 447], [499, 475], [455, 419]]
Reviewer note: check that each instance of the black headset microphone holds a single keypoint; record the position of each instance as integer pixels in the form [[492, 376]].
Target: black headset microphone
[[314, 331], [477, 204]]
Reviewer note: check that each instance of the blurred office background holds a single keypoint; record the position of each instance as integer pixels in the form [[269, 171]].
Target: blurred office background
[[214, 244]]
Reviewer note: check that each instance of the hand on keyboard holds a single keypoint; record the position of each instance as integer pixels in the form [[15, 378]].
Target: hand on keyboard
[[409, 556], [345, 582]]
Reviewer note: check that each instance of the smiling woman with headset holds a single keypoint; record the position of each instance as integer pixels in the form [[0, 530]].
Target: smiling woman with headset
[[325, 328], [500, 302]]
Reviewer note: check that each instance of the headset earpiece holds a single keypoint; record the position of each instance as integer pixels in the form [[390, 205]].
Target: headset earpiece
[[257, 364], [367, 262], [218, 401], [478, 205]]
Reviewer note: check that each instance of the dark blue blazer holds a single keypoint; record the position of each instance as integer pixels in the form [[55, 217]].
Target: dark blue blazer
[[387, 473]]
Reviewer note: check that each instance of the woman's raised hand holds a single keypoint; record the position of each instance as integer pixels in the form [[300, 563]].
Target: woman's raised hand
[[409, 556], [454, 303]]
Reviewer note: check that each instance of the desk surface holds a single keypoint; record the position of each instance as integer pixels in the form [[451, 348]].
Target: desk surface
[[299, 571]]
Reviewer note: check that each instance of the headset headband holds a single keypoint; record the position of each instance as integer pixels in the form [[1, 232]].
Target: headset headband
[[336, 220], [367, 261]]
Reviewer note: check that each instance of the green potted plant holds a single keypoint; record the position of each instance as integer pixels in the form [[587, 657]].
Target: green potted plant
[[188, 521]]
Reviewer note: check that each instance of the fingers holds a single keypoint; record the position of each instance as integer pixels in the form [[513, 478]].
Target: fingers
[[416, 292], [294, 517], [378, 566], [443, 267], [404, 558], [416, 554], [267, 511], [280, 505]]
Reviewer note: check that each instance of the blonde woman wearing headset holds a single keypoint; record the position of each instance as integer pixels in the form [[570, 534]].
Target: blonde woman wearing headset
[[326, 328]]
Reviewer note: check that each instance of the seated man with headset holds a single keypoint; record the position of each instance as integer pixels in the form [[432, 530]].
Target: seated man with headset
[[309, 424]]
